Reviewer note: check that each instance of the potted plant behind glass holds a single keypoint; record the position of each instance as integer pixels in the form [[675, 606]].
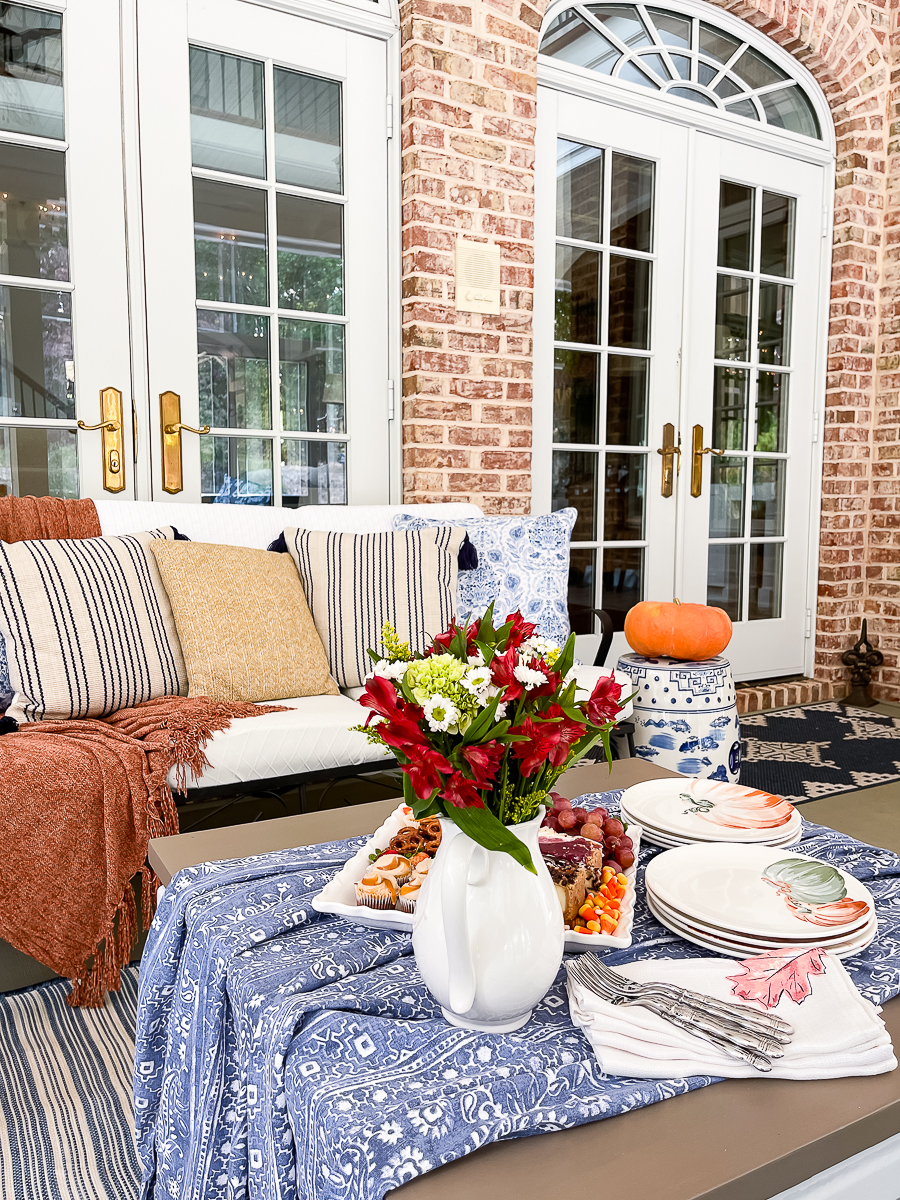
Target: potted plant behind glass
[[482, 725]]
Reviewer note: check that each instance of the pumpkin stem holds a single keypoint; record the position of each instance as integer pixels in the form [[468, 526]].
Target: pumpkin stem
[[676, 600]]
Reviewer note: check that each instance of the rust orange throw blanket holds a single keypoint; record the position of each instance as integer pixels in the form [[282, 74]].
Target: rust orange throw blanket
[[79, 801], [31, 518]]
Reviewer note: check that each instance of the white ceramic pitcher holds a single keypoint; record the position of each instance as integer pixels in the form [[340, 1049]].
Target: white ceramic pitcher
[[487, 934]]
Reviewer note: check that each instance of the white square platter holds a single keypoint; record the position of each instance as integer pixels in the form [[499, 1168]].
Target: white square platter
[[339, 895]]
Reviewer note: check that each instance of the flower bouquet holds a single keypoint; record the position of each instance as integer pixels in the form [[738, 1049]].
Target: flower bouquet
[[484, 723]]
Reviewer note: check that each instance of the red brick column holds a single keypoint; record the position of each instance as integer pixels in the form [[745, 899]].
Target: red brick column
[[468, 86]]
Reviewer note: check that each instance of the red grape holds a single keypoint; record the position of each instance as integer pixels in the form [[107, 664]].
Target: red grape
[[617, 867], [592, 831], [611, 844], [626, 857], [548, 820], [560, 802], [625, 842], [613, 827], [567, 819], [581, 815], [599, 815]]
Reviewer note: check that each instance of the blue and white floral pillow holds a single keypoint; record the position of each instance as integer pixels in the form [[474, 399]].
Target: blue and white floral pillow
[[6, 692], [523, 562]]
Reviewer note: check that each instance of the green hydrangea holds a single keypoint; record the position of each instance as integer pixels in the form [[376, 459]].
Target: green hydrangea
[[442, 675]]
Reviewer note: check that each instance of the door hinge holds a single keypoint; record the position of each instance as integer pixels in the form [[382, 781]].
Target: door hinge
[[390, 399], [390, 118], [815, 427], [808, 630]]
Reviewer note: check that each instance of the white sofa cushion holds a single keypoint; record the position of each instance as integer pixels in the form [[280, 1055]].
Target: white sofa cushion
[[314, 735], [257, 525]]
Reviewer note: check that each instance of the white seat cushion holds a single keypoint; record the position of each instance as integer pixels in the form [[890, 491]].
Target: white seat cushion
[[314, 735]]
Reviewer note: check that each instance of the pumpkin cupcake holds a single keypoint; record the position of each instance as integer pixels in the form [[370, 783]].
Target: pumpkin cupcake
[[373, 891]]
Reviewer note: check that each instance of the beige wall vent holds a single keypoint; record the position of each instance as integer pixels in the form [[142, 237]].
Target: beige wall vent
[[477, 277]]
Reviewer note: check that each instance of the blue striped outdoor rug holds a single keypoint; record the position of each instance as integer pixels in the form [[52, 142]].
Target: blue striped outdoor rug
[[66, 1095]]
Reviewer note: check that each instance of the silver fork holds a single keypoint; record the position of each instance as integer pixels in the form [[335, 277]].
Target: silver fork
[[766, 1023], [744, 1046]]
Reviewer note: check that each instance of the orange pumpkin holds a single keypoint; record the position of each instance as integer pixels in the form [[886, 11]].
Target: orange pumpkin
[[658, 629]]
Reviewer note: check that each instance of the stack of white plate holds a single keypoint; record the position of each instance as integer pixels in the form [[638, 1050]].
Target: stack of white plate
[[742, 900], [680, 812]]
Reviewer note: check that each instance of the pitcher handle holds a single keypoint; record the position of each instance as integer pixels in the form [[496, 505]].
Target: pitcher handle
[[454, 884]]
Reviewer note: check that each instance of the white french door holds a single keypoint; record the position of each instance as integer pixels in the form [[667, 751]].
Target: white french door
[[678, 362], [611, 220], [264, 169], [64, 329], [752, 369], [194, 228]]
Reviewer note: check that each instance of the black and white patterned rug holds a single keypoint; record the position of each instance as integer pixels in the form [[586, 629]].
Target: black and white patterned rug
[[818, 750]]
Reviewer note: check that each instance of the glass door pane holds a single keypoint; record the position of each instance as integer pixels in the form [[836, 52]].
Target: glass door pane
[[287, 165]]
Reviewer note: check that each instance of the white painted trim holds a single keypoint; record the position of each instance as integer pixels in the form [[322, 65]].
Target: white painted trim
[[377, 18], [817, 447], [616, 91]]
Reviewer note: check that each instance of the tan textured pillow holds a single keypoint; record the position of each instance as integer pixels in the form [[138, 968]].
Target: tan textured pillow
[[245, 628]]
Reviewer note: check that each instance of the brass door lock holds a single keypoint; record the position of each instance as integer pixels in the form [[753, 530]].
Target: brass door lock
[[111, 424]]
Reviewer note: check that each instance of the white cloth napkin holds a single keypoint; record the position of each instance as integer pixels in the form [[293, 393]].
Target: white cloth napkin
[[836, 1031]]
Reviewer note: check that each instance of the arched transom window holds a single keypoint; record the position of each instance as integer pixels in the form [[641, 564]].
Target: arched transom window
[[683, 57]]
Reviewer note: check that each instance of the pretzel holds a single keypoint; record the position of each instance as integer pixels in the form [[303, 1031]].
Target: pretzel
[[407, 841], [430, 828]]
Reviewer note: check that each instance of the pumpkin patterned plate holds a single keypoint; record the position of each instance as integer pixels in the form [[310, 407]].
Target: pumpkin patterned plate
[[758, 891], [710, 811]]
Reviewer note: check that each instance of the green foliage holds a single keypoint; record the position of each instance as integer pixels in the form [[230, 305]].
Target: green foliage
[[484, 828]]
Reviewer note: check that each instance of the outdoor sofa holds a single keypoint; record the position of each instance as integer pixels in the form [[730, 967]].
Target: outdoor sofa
[[279, 750]]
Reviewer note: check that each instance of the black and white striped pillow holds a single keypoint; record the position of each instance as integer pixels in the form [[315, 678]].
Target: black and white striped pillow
[[354, 582], [88, 626]]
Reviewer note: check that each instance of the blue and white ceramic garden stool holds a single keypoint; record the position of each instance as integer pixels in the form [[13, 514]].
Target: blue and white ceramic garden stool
[[685, 715]]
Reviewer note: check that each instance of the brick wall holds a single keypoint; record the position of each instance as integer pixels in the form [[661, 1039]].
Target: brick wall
[[468, 91], [468, 94]]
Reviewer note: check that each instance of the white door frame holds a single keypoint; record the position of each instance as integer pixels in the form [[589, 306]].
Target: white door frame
[[164, 188], [621, 95]]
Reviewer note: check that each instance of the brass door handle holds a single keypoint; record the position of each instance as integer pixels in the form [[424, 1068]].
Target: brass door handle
[[100, 425], [669, 450], [177, 426], [111, 424], [697, 452], [172, 426]]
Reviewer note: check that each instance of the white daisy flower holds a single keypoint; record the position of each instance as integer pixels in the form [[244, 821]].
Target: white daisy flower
[[530, 678], [440, 713], [389, 670], [476, 680], [476, 659]]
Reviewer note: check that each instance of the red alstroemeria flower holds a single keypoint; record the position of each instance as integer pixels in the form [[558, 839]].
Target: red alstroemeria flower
[[461, 792], [381, 696], [484, 761], [542, 737], [503, 674], [441, 643], [521, 630], [570, 732], [425, 768], [404, 730], [602, 705]]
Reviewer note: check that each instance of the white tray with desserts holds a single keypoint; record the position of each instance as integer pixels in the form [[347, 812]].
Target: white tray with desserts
[[339, 895]]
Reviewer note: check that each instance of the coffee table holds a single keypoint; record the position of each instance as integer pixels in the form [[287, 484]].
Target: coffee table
[[744, 1139]]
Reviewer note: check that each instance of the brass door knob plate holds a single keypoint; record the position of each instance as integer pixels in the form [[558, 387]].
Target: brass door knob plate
[[172, 427], [697, 452], [111, 424]]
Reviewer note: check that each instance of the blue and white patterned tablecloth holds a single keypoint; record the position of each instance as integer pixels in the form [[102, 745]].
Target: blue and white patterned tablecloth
[[283, 1054]]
